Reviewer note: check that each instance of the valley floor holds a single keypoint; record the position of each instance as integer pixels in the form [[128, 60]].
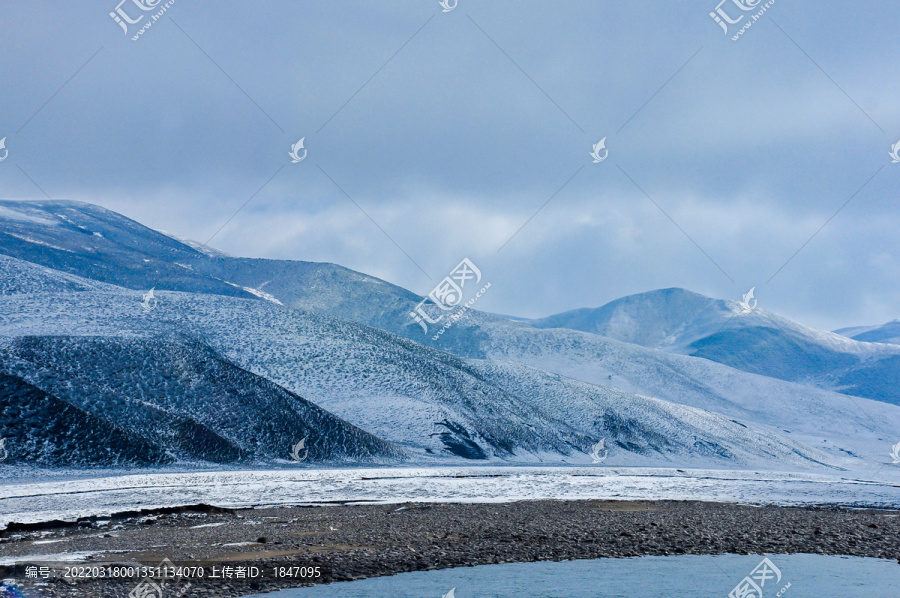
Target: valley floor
[[353, 542]]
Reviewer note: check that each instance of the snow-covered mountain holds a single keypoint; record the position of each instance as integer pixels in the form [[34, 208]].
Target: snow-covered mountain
[[132, 363], [761, 342], [101, 245], [664, 319], [490, 388], [41, 429], [175, 395], [128, 254], [886, 333]]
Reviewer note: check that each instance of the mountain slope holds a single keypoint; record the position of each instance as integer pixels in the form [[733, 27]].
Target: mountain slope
[[95, 243], [180, 398], [660, 319], [886, 333], [430, 401], [457, 404], [673, 320], [40, 429], [16, 280], [760, 342]]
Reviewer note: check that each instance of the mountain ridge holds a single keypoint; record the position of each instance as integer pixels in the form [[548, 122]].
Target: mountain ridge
[[485, 389], [421, 399], [756, 341]]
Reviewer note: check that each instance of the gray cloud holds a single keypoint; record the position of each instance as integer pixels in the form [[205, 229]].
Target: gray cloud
[[450, 148]]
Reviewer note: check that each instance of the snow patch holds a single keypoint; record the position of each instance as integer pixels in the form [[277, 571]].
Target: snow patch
[[46, 558], [10, 214], [36, 242], [262, 295]]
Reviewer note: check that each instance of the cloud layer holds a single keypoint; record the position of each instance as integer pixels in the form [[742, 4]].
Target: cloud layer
[[433, 136]]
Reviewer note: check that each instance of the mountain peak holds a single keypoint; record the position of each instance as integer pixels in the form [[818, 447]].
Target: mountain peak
[[652, 318]]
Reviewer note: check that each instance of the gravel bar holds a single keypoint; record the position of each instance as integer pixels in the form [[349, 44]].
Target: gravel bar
[[356, 542]]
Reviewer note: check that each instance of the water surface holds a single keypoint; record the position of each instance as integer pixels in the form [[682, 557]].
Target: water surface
[[686, 576]]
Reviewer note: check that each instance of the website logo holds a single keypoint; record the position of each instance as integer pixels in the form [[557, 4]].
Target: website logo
[[599, 147], [894, 154], [595, 451], [295, 451], [447, 296], [148, 303], [747, 302], [726, 18], [295, 151], [123, 19], [752, 585]]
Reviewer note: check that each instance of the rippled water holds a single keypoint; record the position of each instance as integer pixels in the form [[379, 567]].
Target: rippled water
[[686, 576]]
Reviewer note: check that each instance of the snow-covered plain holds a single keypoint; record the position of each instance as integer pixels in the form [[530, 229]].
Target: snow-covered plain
[[68, 499]]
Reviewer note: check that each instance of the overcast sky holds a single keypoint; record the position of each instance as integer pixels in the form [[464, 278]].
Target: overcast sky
[[450, 130]]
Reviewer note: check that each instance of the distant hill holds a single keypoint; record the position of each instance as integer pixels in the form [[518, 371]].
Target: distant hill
[[886, 333], [760, 342], [101, 245]]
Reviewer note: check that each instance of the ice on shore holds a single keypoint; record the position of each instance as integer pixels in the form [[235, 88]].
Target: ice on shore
[[28, 501]]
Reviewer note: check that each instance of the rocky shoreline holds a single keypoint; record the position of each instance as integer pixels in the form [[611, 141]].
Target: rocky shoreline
[[355, 542]]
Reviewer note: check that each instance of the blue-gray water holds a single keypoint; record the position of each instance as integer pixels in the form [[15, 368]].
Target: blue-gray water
[[688, 576]]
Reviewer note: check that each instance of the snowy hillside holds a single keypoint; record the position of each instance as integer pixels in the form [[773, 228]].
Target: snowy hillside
[[431, 401], [664, 319], [95, 243], [183, 398], [886, 333], [679, 321], [15, 279], [673, 320], [41, 429], [266, 331]]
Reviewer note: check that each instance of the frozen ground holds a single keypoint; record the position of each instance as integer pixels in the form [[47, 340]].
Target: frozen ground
[[76, 496]]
